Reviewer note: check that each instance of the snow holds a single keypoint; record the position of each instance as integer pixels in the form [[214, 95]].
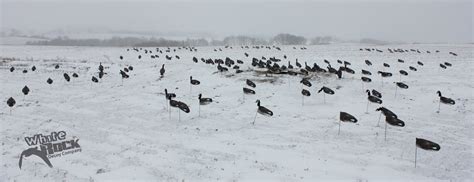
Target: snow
[[126, 133]]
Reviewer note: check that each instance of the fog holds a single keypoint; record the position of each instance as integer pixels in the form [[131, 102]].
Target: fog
[[405, 20]]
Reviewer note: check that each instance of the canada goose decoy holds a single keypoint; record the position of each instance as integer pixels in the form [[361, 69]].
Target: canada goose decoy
[[25, 71], [401, 61], [385, 74], [57, 66], [425, 145], [305, 82], [444, 100], [412, 68], [12, 69], [448, 64], [66, 77], [345, 117], [419, 63], [403, 72], [162, 70], [203, 101], [376, 93], [94, 79], [248, 91], [386, 112], [401, 85], [365, 72], [262, 110], [49, 81], [169, 95], [298, 64], [250, 83], [11, 102], [326, 90], [25, 90], [33, 68], [394, 122], [368, 63], [442, 66], [372, 99], [75, 75], [366, 79]]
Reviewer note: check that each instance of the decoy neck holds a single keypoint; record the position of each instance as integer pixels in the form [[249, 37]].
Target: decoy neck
[[200, 95], [439, 93], [368, 92], [258, 103]]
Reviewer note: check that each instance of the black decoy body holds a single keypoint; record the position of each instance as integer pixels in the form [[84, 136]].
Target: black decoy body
[[263, 110], [49, 81], [366, 79], [376, 93], [326, 90], [420, 63], [403, 72], [305, 92], [12, 69], [162, 70], [427, 145], [402, 85], [448, 64], [386, 65], [368, 63], [248, 91], [194, 81], [75, 75], [386, 112], [412, 68], [305, 81], [11, 102], [373, 99], [445, 100], [346, 117], [204, 101], [250, 83], [66, 77], [442, 66], [33, 68], [94, 79], [385, 74], [365, 72], [183, 106], [394, 121], [168, 95], [25, 90]]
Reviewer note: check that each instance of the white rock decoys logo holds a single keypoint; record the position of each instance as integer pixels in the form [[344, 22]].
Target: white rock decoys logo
[[50, 146]]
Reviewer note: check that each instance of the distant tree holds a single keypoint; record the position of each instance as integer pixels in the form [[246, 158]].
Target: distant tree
[[288, 39]]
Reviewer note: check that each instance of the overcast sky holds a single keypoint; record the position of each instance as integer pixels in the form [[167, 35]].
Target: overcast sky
[[394, 20]]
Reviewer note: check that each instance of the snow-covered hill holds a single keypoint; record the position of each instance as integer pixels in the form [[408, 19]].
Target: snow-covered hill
[[126, 132]]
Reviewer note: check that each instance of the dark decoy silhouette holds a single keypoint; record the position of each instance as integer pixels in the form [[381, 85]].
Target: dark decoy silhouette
[[448, 64], [305, 81], [373, 99], [263, 110], [445, 100], [394, 121], [365, 72], [376, 93], [162, 70], [402, 85], [420, 63], [305, 92], [346, 117], [57, 66], [385, 74], [427, 145], [366, 79], [25, 71], [33, 68], [194, 81], [25, 90], [11, 102], [412, 68], [442, 66], [66, 77], [204, 101], [368, 63], [49, 81], [326, 90], [250, 83], [386, 112], [12, 69], [168, 95], [94, 79], [75, 75], [248, 91], [403, 72]]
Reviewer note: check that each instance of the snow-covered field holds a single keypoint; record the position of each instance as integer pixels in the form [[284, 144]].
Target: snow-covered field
[[125, 131]]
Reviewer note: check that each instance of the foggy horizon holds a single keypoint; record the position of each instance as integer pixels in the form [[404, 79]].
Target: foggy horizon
[[405, 21]]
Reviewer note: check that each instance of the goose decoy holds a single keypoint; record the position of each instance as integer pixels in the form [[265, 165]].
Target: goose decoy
[[262, 110], [305, 81], [94, 79], [12, 69], [403, 72], [75, 75], [402, 85], [385, 74], [448, 64], [444, 100], [248, 91], [376, 93], [372, 99], [169, 95], [25, 71], [366, 79], [25, 90], [162, 70], [49, 81], [298, 64], [66, 77], [425, 145], [250, 83], [194, 81], [101, 68], [183, 106], [345, 117], [386, 112], [56, 67], [368, 63], [33, 68], [420, 63], [394, 122], [327, 91], [204, 101], [130, 68], [365, 72], [442, 66], [401, 61], [121, 57], [11, 102]]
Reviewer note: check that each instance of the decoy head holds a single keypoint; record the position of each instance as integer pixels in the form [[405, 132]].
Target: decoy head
[[200, 95], [258, 102], [439, 93], [166, 91]]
